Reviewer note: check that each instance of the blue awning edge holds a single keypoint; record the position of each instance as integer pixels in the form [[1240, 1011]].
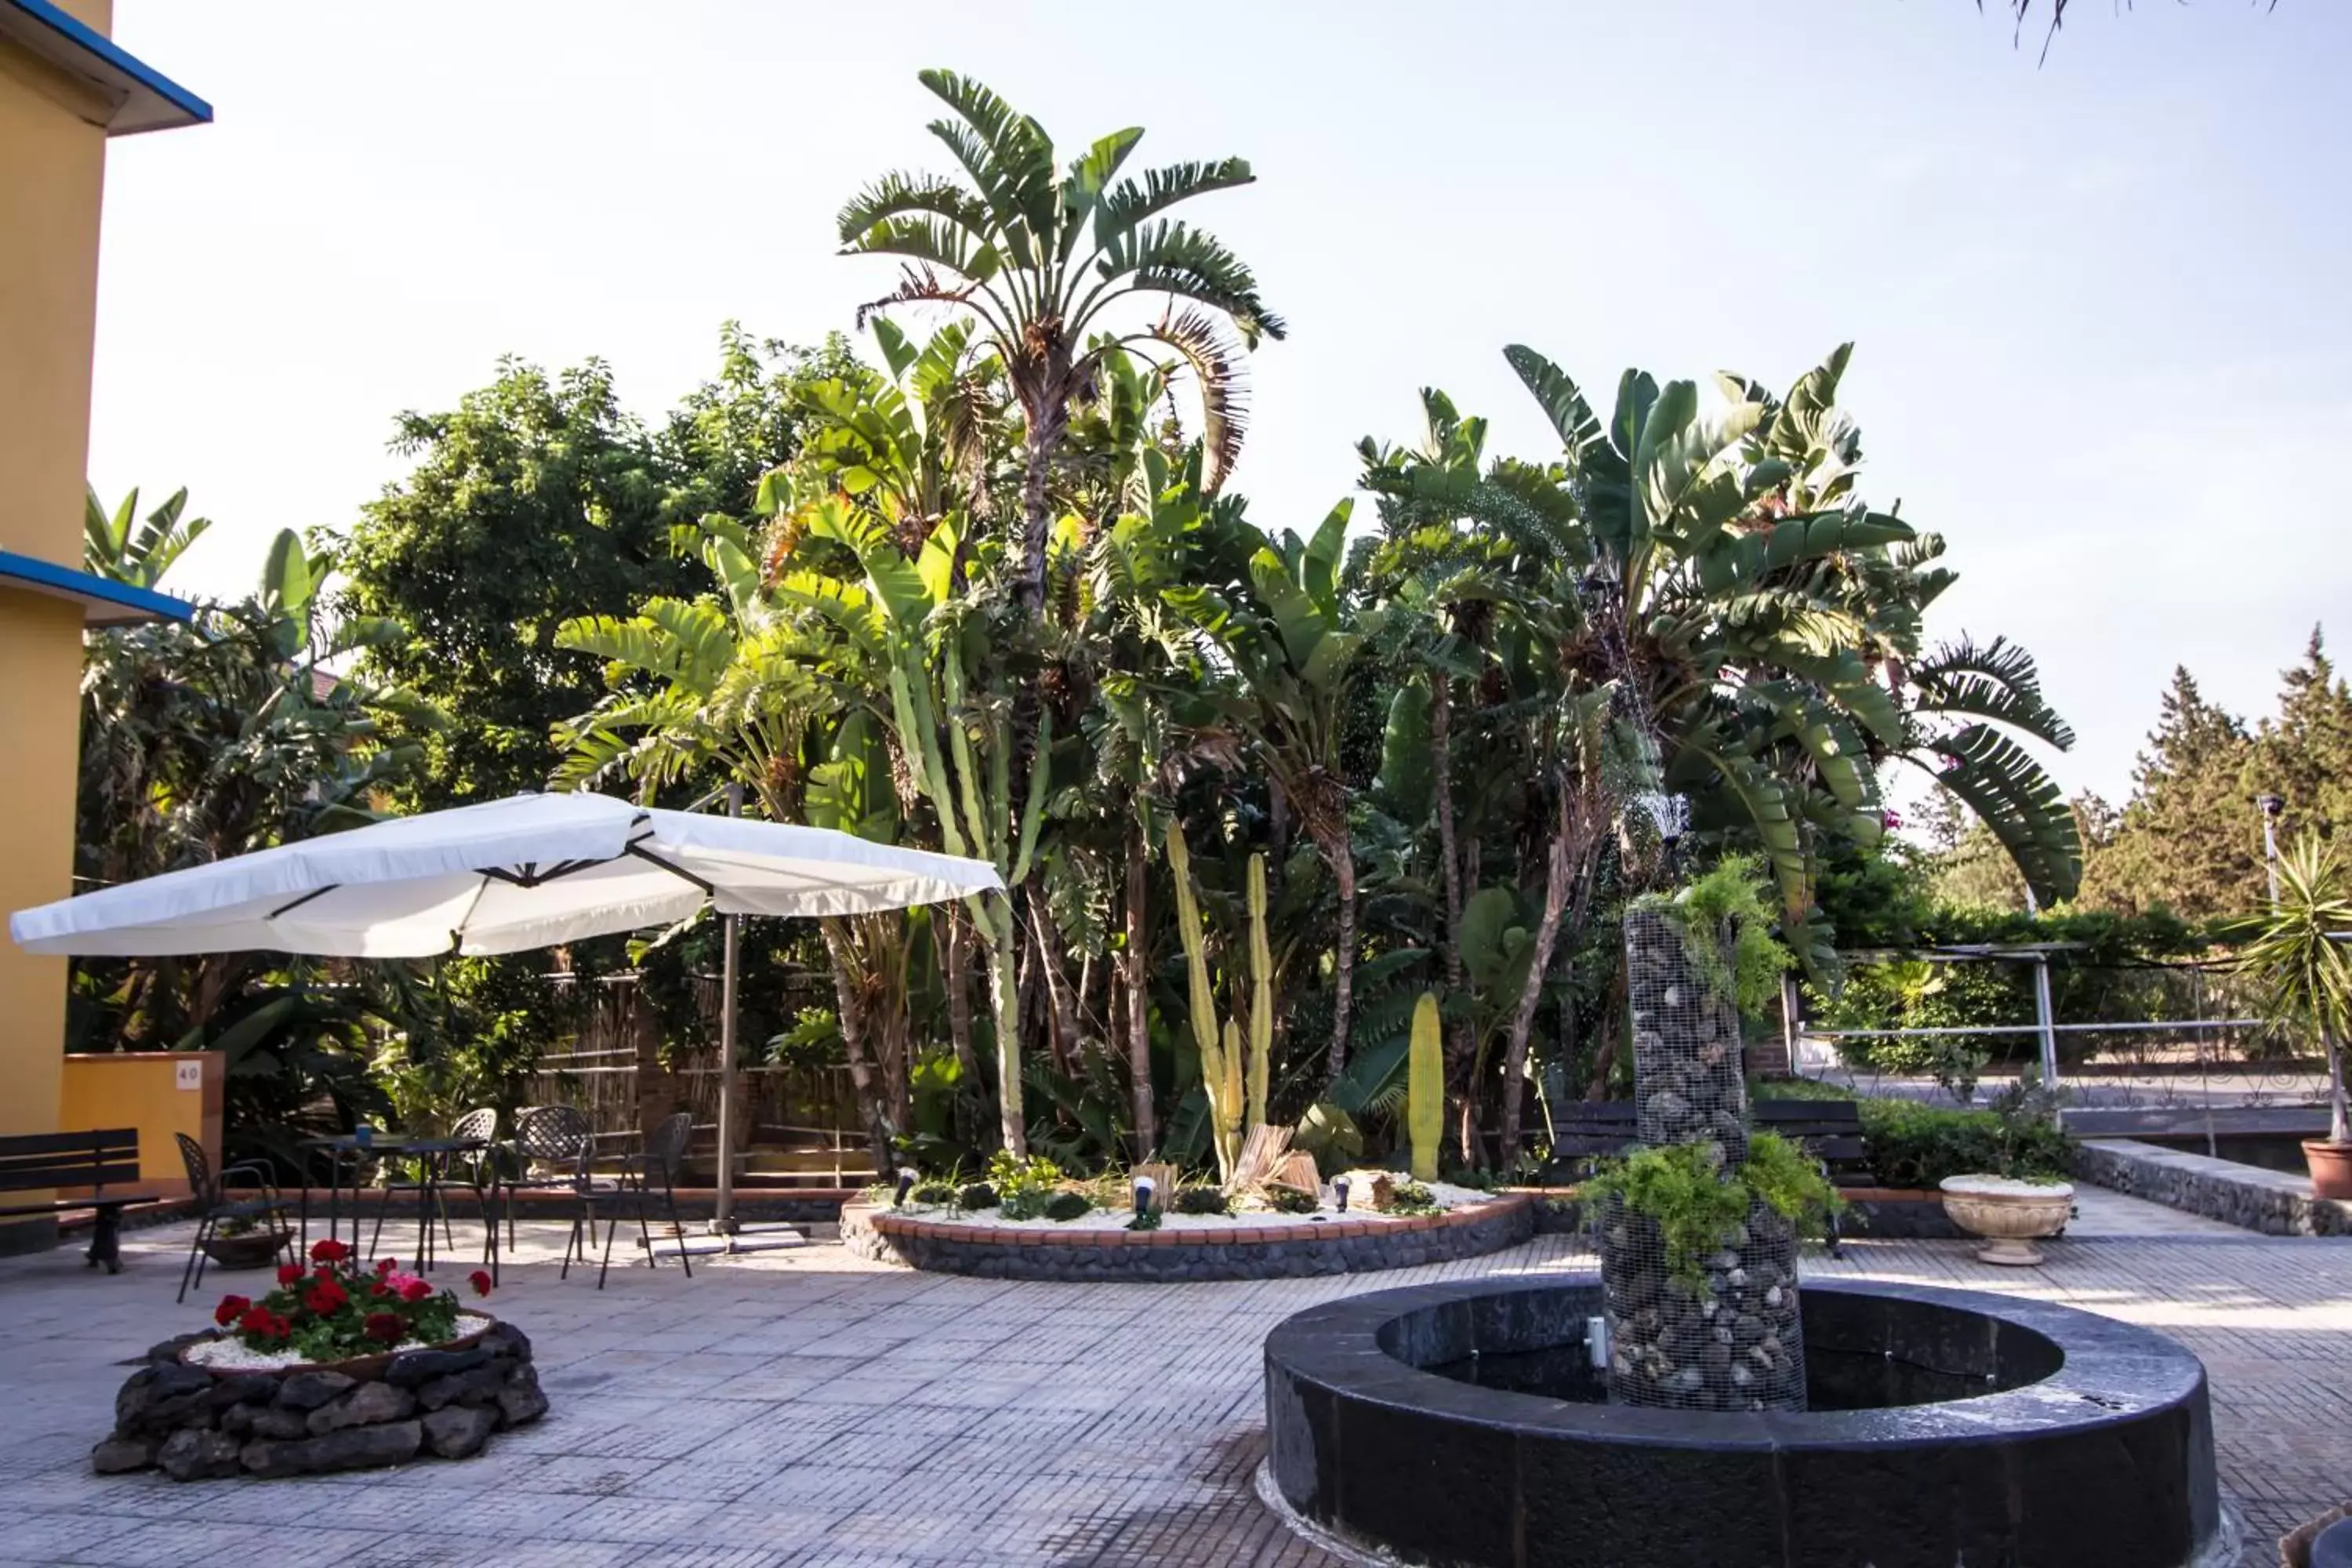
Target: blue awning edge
[[105, 602], [144, 98]]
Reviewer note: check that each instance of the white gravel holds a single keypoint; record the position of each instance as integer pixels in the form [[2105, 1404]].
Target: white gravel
[[1446, 1195], [231, 1355]]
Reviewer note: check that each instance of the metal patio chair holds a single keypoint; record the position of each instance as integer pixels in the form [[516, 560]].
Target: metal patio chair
[[216, 1209]]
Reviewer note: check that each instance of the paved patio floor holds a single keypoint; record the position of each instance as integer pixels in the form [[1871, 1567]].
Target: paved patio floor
[[804, 1407]]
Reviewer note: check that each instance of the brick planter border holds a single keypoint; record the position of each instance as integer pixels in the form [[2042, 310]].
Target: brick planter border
[[1244, 1252]]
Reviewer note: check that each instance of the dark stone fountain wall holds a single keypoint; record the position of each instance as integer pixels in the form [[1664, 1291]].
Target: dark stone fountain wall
[[1735, 1344]]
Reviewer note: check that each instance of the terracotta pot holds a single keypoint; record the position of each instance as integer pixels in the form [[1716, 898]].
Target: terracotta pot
[[2007, 1214], [2331, 1167]]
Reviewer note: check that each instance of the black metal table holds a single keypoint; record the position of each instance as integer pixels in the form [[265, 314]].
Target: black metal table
[[433, 1156]]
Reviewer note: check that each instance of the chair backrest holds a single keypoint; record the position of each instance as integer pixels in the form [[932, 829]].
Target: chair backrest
[[666, 1149], [49, 1160], [200, 1171], [482, 1123], [554, 1134]]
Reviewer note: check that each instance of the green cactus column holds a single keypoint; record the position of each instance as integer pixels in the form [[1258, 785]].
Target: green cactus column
[[1425, 1087]]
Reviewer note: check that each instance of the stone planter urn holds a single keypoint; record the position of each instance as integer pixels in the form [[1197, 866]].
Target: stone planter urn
[[2007, 1214]]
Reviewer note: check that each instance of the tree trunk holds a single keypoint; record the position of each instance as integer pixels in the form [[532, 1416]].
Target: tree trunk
[[1048, 417], [1058, 996], [1459, 1049], [1604, 1047], [1005, 997], [957, 962], [1138, 1006], [1341, 857], [1564, 867], [850, 1000]]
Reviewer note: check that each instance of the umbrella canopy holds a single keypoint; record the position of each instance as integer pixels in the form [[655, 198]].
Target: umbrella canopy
[[531, 871]]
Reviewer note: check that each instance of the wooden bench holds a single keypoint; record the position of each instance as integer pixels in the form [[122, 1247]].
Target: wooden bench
[[46, 1161]]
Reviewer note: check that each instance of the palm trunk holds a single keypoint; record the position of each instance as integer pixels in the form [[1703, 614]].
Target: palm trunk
[[1460, 1049], [1564, 869], [1341, 857], [1048, 417], [850, 1000], [1138, 1006]]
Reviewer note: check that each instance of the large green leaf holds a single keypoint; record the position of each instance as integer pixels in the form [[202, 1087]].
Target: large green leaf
[[1407, 780], [2023, 806]]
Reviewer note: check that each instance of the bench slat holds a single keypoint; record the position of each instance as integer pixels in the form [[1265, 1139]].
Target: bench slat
[[85, 1175], [109, 1140]]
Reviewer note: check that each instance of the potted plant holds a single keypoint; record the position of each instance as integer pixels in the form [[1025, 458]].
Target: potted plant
[[244, 1242], [2300, 954], [2021, 1193]]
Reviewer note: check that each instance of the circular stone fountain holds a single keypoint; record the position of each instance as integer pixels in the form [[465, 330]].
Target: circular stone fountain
[[1466, 1423]]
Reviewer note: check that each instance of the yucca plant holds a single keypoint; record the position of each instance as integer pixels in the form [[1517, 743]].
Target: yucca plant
[[2300, 954]]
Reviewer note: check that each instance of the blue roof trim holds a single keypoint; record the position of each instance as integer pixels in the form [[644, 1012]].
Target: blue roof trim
[[105, 602], [144, 99]]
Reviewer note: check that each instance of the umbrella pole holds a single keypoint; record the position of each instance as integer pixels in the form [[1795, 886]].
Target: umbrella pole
[[722, 1208]]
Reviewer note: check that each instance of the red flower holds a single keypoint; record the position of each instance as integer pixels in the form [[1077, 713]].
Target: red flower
[[386, 1265], [324, 1297], [288, 1272], [261, 1321], [390, 1328], [481, 1281], [379, 1289], [230, 1310], [329, 1251], [415, 1291]]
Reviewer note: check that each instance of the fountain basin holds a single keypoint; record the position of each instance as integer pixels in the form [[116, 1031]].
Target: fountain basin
[[2037, 1435]]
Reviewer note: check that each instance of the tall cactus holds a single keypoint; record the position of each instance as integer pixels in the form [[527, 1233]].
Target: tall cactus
[[1227, 1101], [1425, 1087], [1261, 1018]]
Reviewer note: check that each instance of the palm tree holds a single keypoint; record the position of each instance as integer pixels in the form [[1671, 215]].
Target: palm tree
[[2301, 955], [1042, 256]]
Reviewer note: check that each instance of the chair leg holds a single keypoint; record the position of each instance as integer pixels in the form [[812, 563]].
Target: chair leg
[[376, 1236], [574, 1241], [678, 1230], [211, 1229], [196, 1250]]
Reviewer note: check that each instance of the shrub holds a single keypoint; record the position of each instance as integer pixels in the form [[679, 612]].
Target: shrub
[[1683, 1189], [1914, 1145], [977, 1197], [1068, 1205], [932, 1193], [1023, 1187], [1202, 1200], [1409, 1197], [1290, 1200]]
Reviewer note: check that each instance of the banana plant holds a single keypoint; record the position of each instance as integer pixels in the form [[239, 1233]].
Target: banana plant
[[905, 629], [112, 551], [1295, 640], [1041, 257]]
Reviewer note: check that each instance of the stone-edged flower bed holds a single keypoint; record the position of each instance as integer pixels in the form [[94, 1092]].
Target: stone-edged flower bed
[[338, 1368], [1247, 1248], [194, 1424]]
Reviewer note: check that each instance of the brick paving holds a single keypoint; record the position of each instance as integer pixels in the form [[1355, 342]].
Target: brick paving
[[806, 1408]]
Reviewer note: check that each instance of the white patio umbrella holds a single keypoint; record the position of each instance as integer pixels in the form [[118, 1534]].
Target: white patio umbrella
[[530, 872]]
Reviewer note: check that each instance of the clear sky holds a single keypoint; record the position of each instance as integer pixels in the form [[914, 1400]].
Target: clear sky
[[2100, 305]]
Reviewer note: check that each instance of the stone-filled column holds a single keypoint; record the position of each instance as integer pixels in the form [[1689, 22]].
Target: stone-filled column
[[1734, 1342]]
